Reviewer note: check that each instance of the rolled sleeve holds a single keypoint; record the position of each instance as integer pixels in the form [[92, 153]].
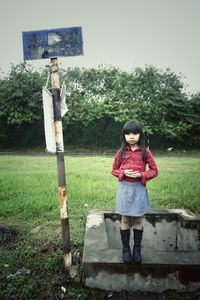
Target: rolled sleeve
[[116, 171], [143, 178], [153, 170]]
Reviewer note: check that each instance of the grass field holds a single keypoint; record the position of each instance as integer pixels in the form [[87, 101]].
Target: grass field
[[29, 198]]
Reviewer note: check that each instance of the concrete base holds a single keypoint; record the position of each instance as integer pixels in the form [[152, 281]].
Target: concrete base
[[170, 251]]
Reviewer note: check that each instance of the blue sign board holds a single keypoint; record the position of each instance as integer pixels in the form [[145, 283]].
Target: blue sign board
[[52, 43]]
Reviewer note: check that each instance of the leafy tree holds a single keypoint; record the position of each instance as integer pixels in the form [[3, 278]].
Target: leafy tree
[[194, 132], [99, 102], [154, 97], [21, 102], [21, 96]]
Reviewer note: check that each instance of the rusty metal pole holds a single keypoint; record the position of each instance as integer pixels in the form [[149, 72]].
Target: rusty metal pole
[[60, 161]]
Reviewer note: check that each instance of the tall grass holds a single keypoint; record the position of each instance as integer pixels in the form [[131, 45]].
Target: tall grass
[[28, 188]]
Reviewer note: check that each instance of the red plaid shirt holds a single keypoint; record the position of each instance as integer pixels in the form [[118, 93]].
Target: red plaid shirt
[[133, 160]]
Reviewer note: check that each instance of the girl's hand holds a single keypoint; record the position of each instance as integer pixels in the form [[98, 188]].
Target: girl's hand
[[128, 172], [136, 174], [132, 174]]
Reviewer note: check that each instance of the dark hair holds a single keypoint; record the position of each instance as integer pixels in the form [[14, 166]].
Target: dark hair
[[134, 127]]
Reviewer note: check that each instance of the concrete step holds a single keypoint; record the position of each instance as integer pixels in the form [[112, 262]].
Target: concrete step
[[174, 263]]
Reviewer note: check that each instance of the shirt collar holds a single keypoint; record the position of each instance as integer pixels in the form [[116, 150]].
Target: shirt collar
[[128, 147]]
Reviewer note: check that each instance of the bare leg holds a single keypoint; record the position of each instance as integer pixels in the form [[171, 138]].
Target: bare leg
[[125, 222], [136, 222]]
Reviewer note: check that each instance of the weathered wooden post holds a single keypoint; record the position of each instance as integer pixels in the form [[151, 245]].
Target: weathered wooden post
[[60, 161], [51, 44]]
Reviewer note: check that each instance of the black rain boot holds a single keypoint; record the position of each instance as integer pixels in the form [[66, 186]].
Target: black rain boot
[[137, 258], [126, 251]]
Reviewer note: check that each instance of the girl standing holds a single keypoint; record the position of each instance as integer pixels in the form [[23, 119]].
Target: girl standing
[[132, 200]]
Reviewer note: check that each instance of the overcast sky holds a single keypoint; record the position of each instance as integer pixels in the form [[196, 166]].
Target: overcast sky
[[122, 33]]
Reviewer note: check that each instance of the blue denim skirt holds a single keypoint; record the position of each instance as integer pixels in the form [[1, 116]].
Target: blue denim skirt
[[132, 199]]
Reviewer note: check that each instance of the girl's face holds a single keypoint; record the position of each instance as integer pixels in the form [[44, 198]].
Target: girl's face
[[132, 138]]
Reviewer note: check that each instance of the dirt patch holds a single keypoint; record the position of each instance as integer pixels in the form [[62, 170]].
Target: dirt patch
[[8, 235]]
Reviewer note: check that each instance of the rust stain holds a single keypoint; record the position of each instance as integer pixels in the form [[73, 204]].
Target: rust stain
[[67, 260], [58, 129], [62, 193], [54, 73], [59, 135], [63, 202]]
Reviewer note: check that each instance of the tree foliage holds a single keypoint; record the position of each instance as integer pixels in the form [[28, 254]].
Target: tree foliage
[[20, 94], [100, 101]]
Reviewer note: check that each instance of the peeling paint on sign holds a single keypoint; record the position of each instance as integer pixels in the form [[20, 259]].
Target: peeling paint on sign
[[52, 43]]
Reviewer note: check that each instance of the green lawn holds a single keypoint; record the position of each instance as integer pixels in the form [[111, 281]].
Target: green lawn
[[29, 198]]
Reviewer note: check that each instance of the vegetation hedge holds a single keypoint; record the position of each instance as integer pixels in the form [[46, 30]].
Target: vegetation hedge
[[100, 101]]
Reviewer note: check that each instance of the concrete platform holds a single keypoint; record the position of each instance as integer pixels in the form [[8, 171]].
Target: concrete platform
[[170, 250]]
